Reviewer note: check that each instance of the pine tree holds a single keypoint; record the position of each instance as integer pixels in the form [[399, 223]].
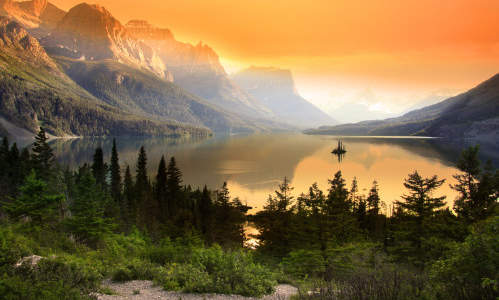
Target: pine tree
[[477, 193], [418, 223], [129, 204], [206, 212], [116, 185], [375, 220], [87, 220], [99, 169], [223, 196], [4, 152], [161, 190], [275, 221], [283, 196], [43, 156], [373, 200], [141, 178], [354, 193], [174, 188], [338, 210], [13, 171], [147, 208], [35, 201]]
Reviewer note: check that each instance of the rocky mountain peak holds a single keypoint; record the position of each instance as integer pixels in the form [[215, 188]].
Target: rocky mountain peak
[[17, 42], [142, 29], [34, 7], [91, 21]]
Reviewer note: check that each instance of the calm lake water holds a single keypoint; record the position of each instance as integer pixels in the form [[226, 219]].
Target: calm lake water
[[254, 165]]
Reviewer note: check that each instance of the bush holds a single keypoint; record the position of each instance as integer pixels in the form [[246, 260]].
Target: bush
[[137, 270], [470, 270], [49, 279], [303, 264], [211, 270]]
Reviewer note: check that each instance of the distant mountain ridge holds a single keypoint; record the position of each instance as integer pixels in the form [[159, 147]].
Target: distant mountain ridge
[[276, 89], [198, 70], [473, 114]]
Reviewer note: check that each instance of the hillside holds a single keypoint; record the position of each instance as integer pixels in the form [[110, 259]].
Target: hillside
[[275, 88], [35, 92], [142, 93], [473, 114]]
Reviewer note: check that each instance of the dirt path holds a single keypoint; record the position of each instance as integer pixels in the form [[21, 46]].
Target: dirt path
[[145, 290]]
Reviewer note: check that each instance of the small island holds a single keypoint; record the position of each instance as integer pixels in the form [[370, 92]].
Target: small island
[[340, 149]]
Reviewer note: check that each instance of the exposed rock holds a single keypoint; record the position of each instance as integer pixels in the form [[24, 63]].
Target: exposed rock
[[33, 260], [90, 31], [197, 68], [34, 7], [15, 40], [14, 11]]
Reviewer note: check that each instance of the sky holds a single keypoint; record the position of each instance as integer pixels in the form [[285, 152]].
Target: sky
[[388, 56]]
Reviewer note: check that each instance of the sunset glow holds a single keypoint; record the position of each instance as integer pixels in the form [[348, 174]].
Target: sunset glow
[[403, 51]]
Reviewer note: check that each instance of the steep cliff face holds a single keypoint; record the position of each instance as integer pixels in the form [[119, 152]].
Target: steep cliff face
[[276, 89], [48, 14], [197, 68], [34, 7], [90, 32], [14, 11], [17, 43]]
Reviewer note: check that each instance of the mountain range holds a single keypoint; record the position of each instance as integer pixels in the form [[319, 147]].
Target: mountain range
[[84, 73], [114, 79], [276, 89], [471, 115]]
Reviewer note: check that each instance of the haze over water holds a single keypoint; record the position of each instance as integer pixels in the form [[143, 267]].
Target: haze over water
[[254, 165]]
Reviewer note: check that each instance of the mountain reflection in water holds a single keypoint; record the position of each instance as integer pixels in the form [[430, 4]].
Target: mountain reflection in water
[[254, 165]]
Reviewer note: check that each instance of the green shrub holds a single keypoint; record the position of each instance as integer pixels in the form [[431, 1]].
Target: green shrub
[[470, 269], [49, 279], [211, 270], [137, 270], [304, 264]]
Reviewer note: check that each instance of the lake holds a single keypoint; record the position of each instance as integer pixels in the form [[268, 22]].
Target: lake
[[254, 165]]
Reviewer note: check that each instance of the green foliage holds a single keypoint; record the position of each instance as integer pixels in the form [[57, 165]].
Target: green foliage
[[213, 270], [470, 270], [49, 279], [478, 189], [136, 270], [416, 233], [87, 220], [304, 264], [35, 202], [43, 156], [32, 96]]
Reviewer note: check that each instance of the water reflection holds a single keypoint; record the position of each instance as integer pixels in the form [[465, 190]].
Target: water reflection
[[254, 165]]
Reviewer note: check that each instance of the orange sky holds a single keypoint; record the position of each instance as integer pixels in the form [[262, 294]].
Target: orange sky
[[401, 50]]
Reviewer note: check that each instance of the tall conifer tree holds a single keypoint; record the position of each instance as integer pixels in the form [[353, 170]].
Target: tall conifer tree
[[116, 185], [161, 189], [43, 156], [99, 169]]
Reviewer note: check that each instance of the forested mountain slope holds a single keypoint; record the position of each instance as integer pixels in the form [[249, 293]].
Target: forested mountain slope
[[35, 92]]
